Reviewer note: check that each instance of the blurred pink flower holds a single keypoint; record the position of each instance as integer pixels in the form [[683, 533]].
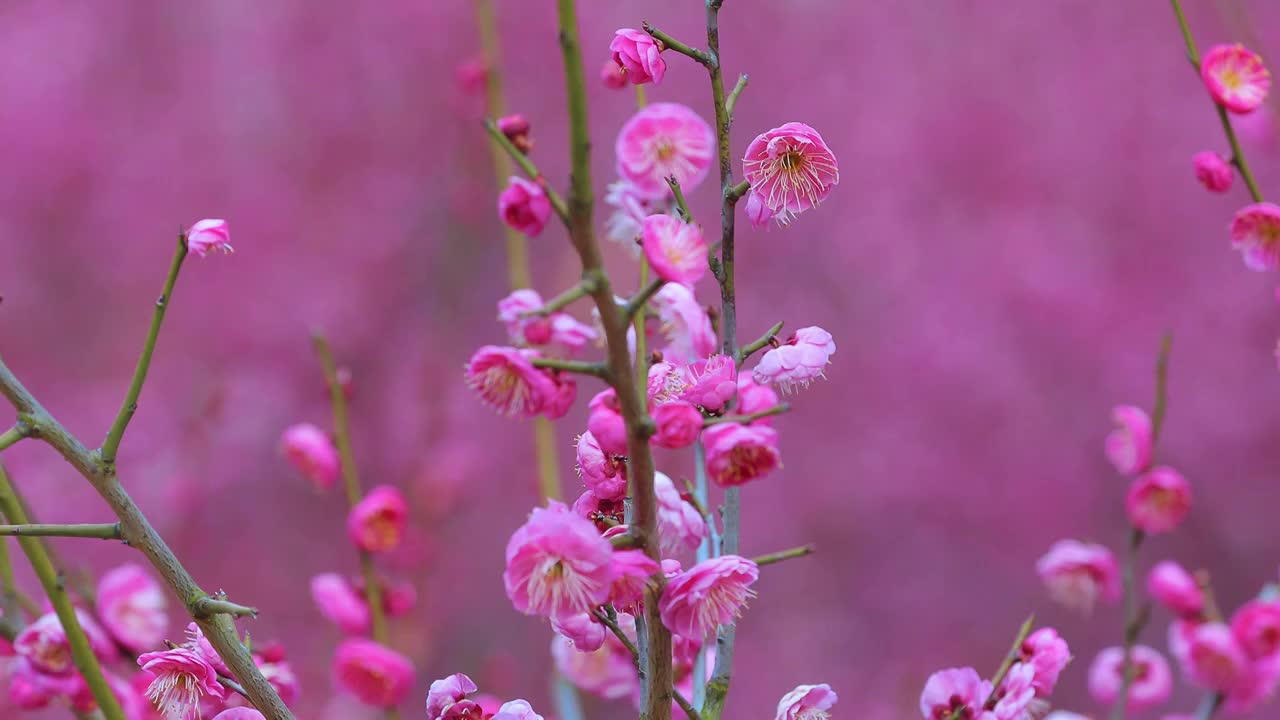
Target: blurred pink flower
[[675, 249], [31, 689], [445, 692], [1255, 232], [209, 235], [790, 169], [522, 329], [470, 75], [754, 397], [1235, 77], [376, 524], [398, 596], [239, 713], [182, 679], [1128, 446], [44, 643], [1212, 171], [758, 214], [1077, 573], [1047, 653], [806, 702], [571, 333], [131, 605], [1158, 500], [612, 75], [711, 383], [631, 572], [680, 525], [507, 381], [1172, 586], [524, 206], [630, 208], [713, 592], [604, 474], [685, 325], [583, 630], [606, 514], [566, 393], [310, 450], [608, 673], [279, 673], [678, 425], [1213, 658], [951, 690], [1256, 626], [664, 140], [340, 604], [797, 362], [639, 56], [605, 423], [516, 710], [1015, 695], [373, 673], [557, 564], [1152, 681], [738, 454]]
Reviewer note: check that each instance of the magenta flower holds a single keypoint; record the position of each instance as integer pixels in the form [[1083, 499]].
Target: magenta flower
[[664, 140], [711, 383], [679, 424], [639, 56], [566, 394], [1152, 681], [44, 643], [516, 710], [209, 235], [675, 249], [1159, 500], [557, 564], [1235, 77], [447, 691], [603, 513], [340, 604], [1212, 171], [1077, 573], [612, 75], [807, 702], [754, 397], [758, 214], [200, 645], [738, 454], [797, 362], [524, 206], [373, 673], [685, 325], [790, 169], [1128, 447], [1047, 654], [583, 630], [507, 381], [605, 423], [952, 690], [1171, 585], [632, 570], [240, 713], [604, 474], [1255, 232], [309, 449], [131, 605], [182, 678], [680, 525], [1213, 658], [1256, 626], [713, 592], [376, 523]]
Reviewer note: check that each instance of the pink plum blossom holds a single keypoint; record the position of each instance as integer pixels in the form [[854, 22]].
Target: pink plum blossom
[[557, 564], [571, 333], [310, 450], [680, 525], [738, 454], [209, 235], [639, 56], [664, 140], [516, 710], [790, 169], [1015, 695], [524, 206], [522, 327], [711, 383], [565, 395], [340, 604], [612, 75], [754, 397], [678, 425], [713, 592], [131, 605], [1171, 585], [1158, 500], [630, 207], [1213, 658], [604, 474], [1235, 77], [674, 248], [376, 524], [608, 673], [666, 383], [1047, 654], [1128, 447], [685, 325], [806, 702], [583, 630], [198, 643], [444, 692], [758, 214], [952, 690], [240, 713], [1077, 573], [44, 643], [632, 570], [373, 673], [605, 423], [506, 380], [1212, 171], [797, 362], [1256, 626], [1152, 681], [603, 512], [182, 678], [1255, 232]]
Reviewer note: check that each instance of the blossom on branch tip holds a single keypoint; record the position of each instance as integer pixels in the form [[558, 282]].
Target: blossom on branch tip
[[524, 328], [1256, 626], [557, 564], [198, 643], [664, 140], [1152, 681], [516, 129], [639, 55], [131, 605], [445, 692], [797, 362], [954, 690], [182, 678], [310, 450], [711, 383], [713, 592], [738, 454], [1129, 445], [208, 235], [1172, 586], [674, 248], [507, 381], [607, 514], [678, 425], [1016, 696], [1077, 573], [340, 604], [1212, 171], [524, 206], [376, 524], [790, 169], [374, 674], [1158, 500], [807, 702], [1255, 232], [1213, 658], [1235, 77]]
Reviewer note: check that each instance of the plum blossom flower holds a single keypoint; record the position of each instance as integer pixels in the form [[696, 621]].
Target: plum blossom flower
[[711, 383], [608, 673], [1015, 695], [685, 325], [340, 604], [561, 402], [200, 645], [131, 605], [240, 713], [1255, 232], [607, 514], [806, 702], [524, 328], [664, 140], [678, 425], [604, 474], [182, 678], [376, 523], [605, 423], [797, 362], [713, 592], [639, 56], [557, 564], [675, 249], [1152, 681], [209, 235], [1171, 585], [310, 450], [758, 214], [1256, 626], [1047, 654], [1159, 500], [738, 454], [583, 630], [790, 169], [1235, 77], [680, 525], [612, 75], [524, 206], [1128, 447], [630, 208], [951, 690], [1213, 658], [445, 692], [516, 129], [44, 643], [1077, 573], [506, 380], [516, 710], [754, 397], [1212, 171], [374, 674], [666, 383], [631, 572], [571, 333]]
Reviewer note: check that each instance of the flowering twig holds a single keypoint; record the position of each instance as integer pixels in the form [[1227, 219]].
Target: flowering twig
[[671, 43], [130, 405], [732, 102], [102, 531], [581, 367], [758, 344], [557, 202], [767, 412], [609, 620], [781, 555]]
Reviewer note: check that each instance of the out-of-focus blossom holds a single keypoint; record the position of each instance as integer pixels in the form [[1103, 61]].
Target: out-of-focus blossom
[[806, 702], [1235, 77], [1158, 500], [583, 630], [952, 690], [444, 692], [470, 75], [516, 129], [738, 454], [1171, 585], [507, 381], [1047, 654], [373, 673], [239, 713], [608, 673], [310, 450], [524, 328], [680, 525], [557, 564], [1255, 232], [209, 235], [571, 333], [516, 710], [376, 524], [797, 362], [678, 425], [1152, 681], [639, 56], [604, 474], [630, 208], [398, 596], [1212, 171], [713, 592], [612, 75], [711, 383], [561, 402], [182, 678], [685, 325], [340, 604], [44, 643], [605, 423], [1213, 658], [131, 605], [754, 397], [790, 169], [524, 206], [1128, 446], [1077, 573], [675, 249], [664, 140], [631, 572], [758, 214], [1256, 626], [279, 673], [1016, 694]]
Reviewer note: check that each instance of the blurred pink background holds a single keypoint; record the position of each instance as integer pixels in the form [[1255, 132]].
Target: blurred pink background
[[1016, 227]]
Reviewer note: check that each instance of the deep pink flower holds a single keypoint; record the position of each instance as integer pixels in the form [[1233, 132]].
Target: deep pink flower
[[557, 564], [605, 423], [664, 140], [1159, 500], [376, 523], [516, 129], [754, 397], [1258, 684], [340, 604], [44, 643], [603, 512], [680, 525], [1076, 573], [1235, 77], [713, 592], [524, 329], [608, 673], [1213, 658], [524, 206], [1170, 584], [1128, 447], [516, 710], [182, 679], [583, 630], [790, 169], [447, 691], [675, 249], [947, 691], [310, 450], [1255, 232], [797, 362], [631, 572], [612, 75], [711, 383], [1047, 654], [1256, 626], [508, 382], [1152, 680], [1212, 171], [373, 673], [806, 702], [240, 713], [131, 605], [685, 325], [209, 235], [561, 402], [738, 454], [639, 56], [758, 214], [679, 424], [604, 474]]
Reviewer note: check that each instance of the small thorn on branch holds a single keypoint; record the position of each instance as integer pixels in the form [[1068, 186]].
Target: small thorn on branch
[[207, 607]]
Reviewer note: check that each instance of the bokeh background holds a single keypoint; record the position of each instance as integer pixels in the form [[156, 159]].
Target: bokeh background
[[1016, 227]]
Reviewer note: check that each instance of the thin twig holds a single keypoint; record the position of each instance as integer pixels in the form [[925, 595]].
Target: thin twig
[[781, 555], [1015, 651], [14, 434], [102, 531], [636, 304], [671, 43], [681, 203], [232, 685], [759, 343], [582, 367], [557, 202], [767, 412], [1210, 705], [732, 102], [564, 299]]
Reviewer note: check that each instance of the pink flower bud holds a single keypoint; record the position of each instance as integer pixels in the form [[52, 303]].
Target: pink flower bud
[[713, 592], [790, 169], [1235, 77], [605, 423], [738, 454], [1152, 681], [340, 604], [612, 75], [209, 235], [516, 128], [675, 249], [1047, 654], [471, 75], [583, 630], [131, 605], [711, 383], [447, 691], [1159, 500], [1255, 232], [1174, 588], [806, 702], [1213, 172], [376, 523], [1128, 447], [754, 397], [1077, 573], [797, 362], [1256, 626], [605, 475], [309, 449], [679, 424], [524, 206], [373, 673], [557, 564], [639, 56]]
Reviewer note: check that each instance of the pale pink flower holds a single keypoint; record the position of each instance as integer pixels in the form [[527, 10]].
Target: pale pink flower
[[374, 674], [516, 710], [1128, 447], [797, 362], [516, 129], [522, 328], [666, 383], [182, 679], [131, 605], [679, 424], [1047, 654], [376, 524], [631, 207], [557, 564], [605, 423], [675, 249], [524, 206], [758, 214], [713, 592], [639, 56], [1152, 681], [1235, 77], [711, 383], [1015, 695], [44, 643], [806, 702], [754, 397], [1077, 573], [340, 604], [685, 325], [1213, 657], [1171, 585], [664, 140], [571, 333], [738, 454], [955, 689], [790, 169], [240, 713], [1256, 626], [604, 474], [612, 75], [566, 394], [583, 630], [209, 235], [1212, 171], [680, 525], [447, 691], [310, 450], [632, 570], [1255, 232], [607, 673], [1159, 500], [507, 381]]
